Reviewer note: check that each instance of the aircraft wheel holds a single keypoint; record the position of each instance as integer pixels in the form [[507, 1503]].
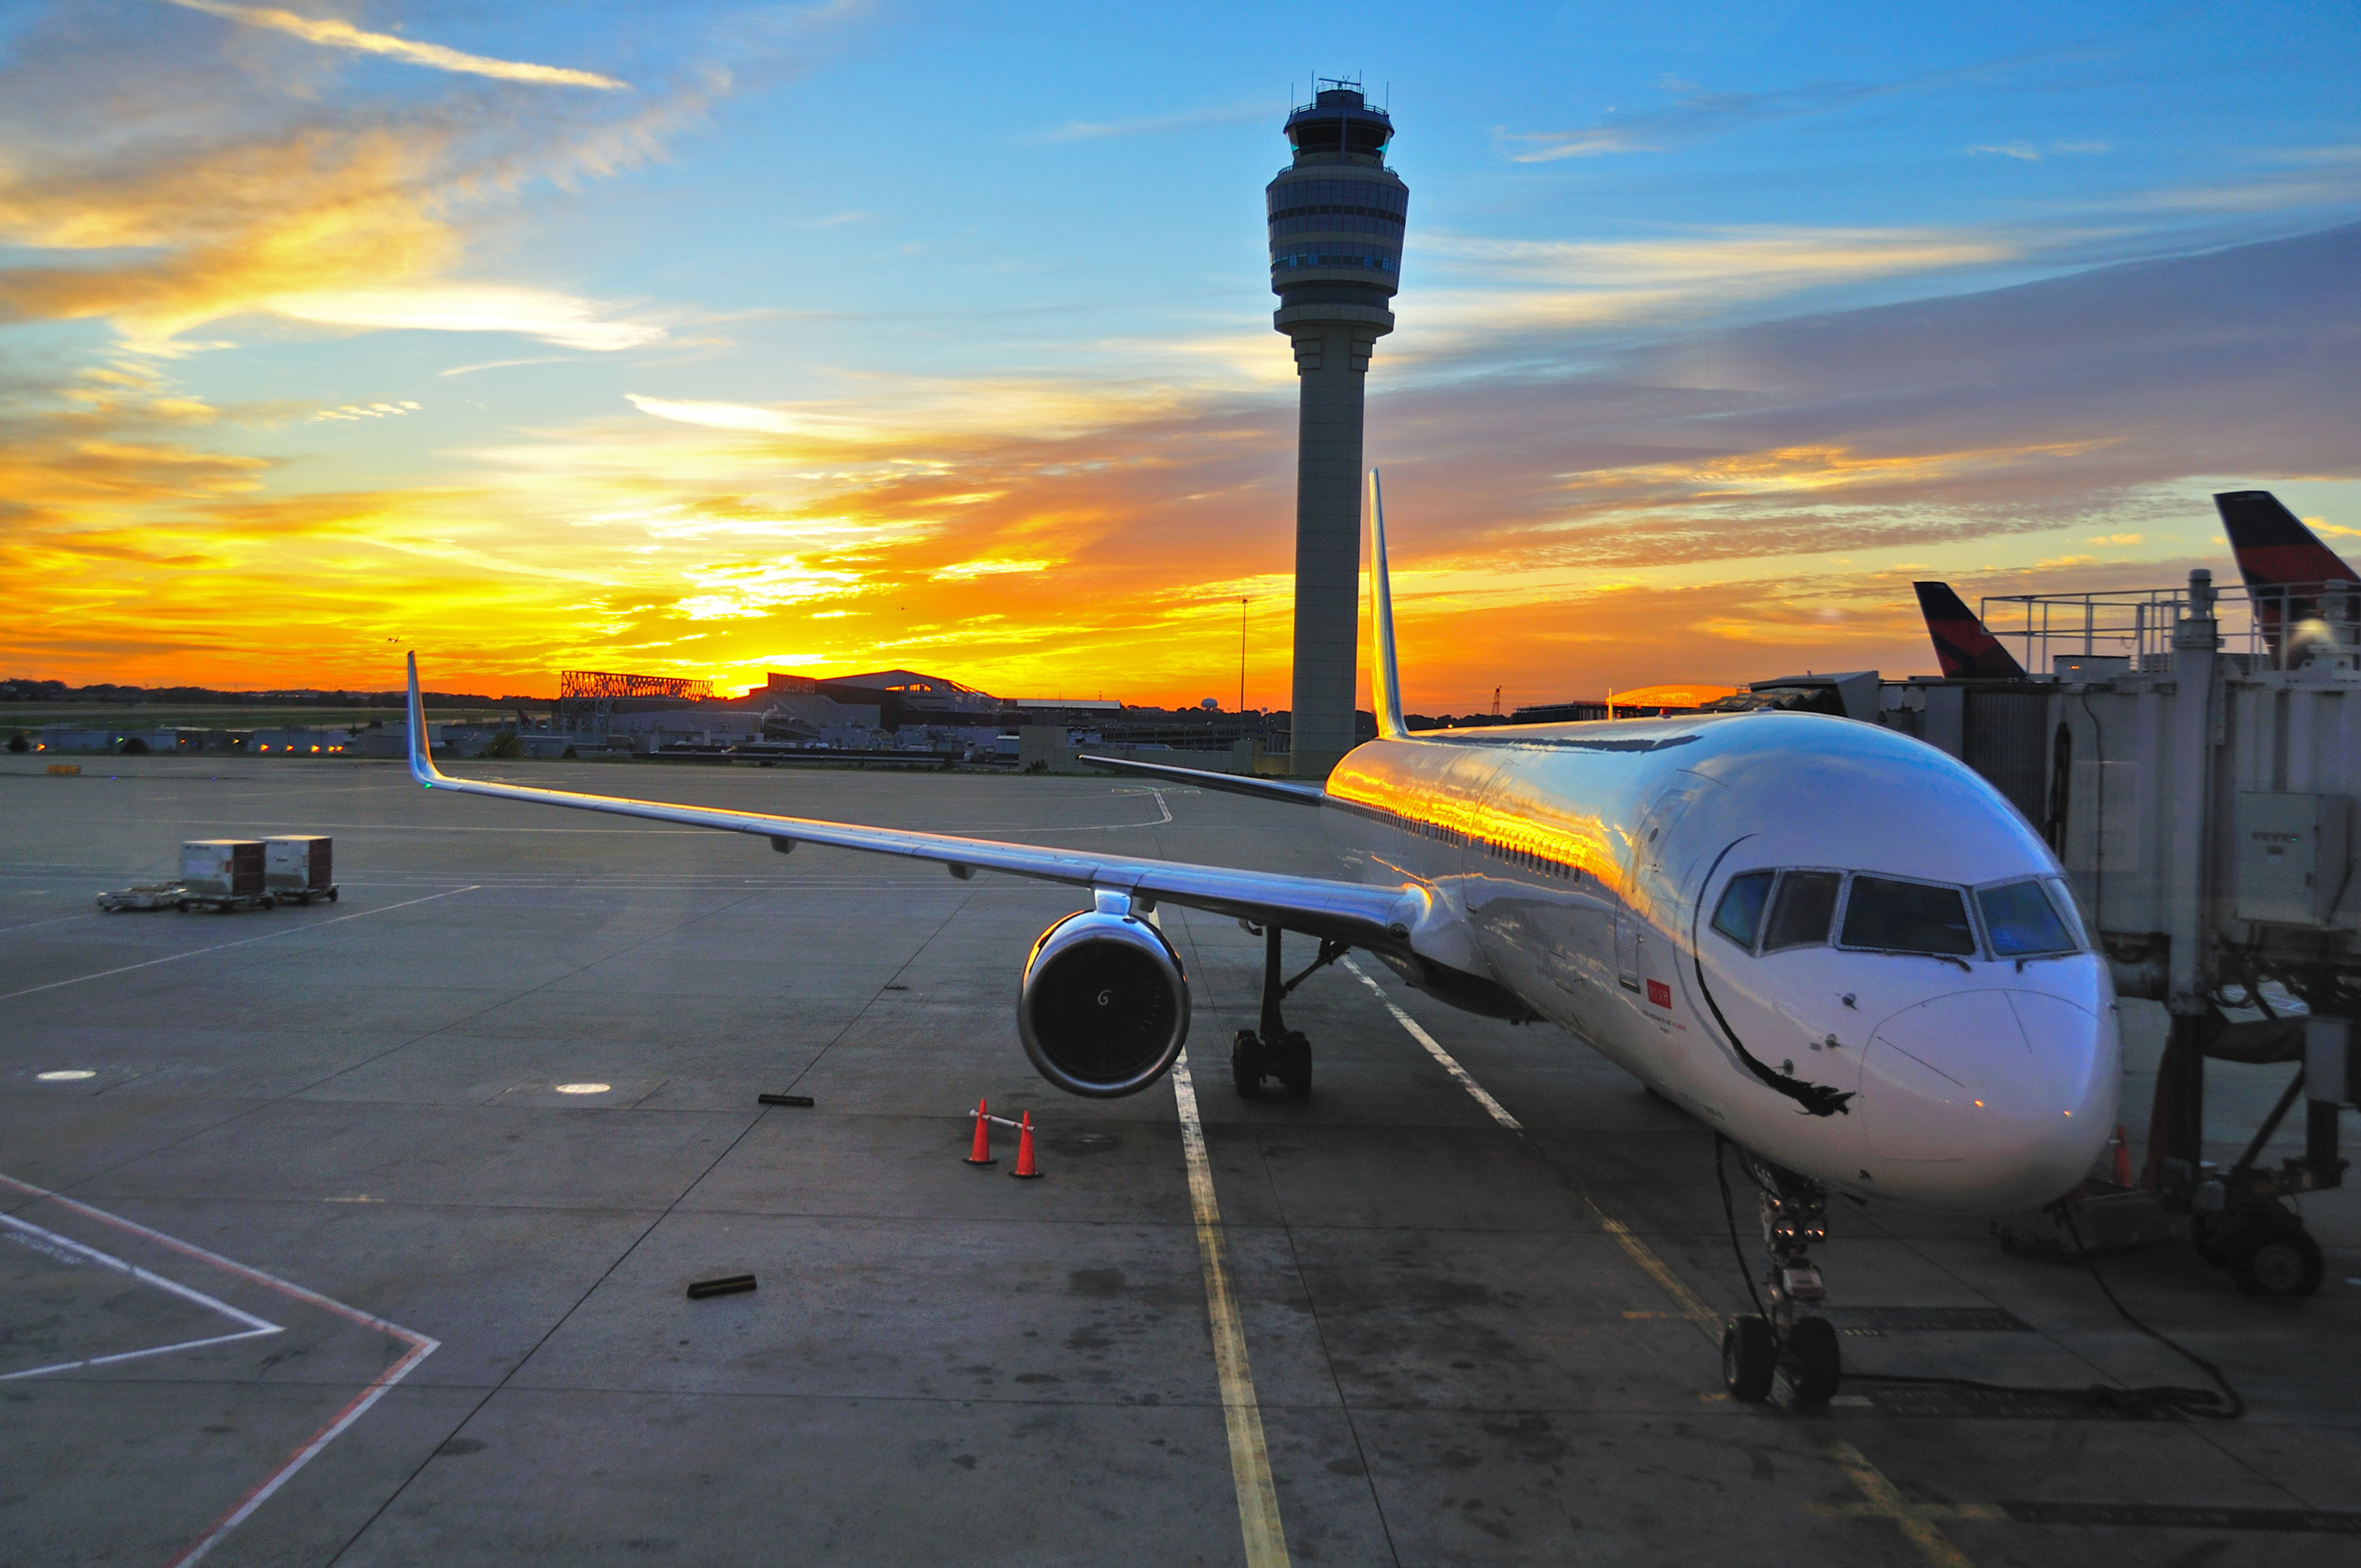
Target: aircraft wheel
[[1246, 1064], [1292, 1065], [2285, 1262], [332, 894], [1819, 1362], [1748, 1356]]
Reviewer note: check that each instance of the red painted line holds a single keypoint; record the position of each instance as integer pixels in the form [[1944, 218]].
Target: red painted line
[[420, 1347]]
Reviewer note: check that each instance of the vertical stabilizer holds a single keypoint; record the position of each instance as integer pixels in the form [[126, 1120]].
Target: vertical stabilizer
[[1385, 675], [1967, 652], [2288, 571], [2273, 546]]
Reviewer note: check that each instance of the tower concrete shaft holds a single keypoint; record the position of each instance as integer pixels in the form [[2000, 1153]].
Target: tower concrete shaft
[[1336, 216]]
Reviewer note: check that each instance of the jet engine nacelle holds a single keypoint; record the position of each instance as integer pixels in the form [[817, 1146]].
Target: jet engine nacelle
[[1104, 1006]]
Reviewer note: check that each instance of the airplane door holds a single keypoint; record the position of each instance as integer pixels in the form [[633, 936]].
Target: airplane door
[[1628, 941]]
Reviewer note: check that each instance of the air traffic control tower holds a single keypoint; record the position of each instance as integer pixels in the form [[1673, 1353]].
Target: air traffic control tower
[[1336, 216]]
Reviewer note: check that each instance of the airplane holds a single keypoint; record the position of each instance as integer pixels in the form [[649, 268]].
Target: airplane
[[1967, 652], [1832, 944], [2288, 572]]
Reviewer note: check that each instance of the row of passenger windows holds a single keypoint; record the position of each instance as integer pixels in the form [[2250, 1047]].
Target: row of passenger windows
[[1531, 860], [1338, 211], [1331, 258], [1768, 911]]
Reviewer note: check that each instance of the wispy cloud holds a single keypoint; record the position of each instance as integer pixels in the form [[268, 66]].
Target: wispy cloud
[[1154, 125], [1688, 118], [330, 33], [2024, 151], [530, 313]]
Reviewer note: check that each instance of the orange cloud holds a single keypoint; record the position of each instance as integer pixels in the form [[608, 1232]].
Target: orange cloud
[[331, 33]]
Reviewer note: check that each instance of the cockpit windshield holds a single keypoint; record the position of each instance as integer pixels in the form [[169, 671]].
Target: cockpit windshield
[[1908, 917], [1807, 902], [1767, 911], [2021, 919]]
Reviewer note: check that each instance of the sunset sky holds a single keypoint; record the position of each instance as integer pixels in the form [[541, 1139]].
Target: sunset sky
[[711, 339]]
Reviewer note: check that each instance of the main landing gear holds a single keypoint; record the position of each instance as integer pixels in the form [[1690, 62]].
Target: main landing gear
[[1277, 1051], [1757, 1344]]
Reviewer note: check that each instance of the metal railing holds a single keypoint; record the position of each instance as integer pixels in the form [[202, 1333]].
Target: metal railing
[[2282, 627]]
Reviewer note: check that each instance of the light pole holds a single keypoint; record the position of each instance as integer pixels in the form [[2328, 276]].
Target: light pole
[[1242, 661]]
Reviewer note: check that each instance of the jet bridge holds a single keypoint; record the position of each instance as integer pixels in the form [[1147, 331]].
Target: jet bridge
[[2193, 758]]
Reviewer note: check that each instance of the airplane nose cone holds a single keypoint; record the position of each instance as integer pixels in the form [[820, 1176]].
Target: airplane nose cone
[[1988, 1100]]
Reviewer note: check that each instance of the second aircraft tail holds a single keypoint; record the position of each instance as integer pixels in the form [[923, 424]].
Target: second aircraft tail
[[1967, 652], [1384, 675]]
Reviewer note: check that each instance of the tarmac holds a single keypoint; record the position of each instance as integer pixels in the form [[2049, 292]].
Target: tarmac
[[364, 1234]]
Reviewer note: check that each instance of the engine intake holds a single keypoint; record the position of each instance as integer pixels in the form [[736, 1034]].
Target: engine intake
[[1104, 1006]]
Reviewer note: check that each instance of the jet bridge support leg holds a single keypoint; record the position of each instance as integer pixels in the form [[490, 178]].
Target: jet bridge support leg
[[1275, 1050]]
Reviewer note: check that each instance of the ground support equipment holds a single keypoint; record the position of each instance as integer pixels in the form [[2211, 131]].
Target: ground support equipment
[[224, 902], [157, 895]]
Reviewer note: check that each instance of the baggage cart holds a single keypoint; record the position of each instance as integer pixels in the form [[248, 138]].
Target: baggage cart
[[152, 896]]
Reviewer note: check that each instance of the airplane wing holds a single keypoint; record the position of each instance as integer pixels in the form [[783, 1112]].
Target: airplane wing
[[1233, 783], [1364, 915]]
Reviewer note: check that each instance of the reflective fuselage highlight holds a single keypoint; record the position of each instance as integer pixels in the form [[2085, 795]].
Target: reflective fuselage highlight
[[1966, 1061]]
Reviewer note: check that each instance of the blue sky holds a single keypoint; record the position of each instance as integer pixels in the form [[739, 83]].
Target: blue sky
[[717, 338]]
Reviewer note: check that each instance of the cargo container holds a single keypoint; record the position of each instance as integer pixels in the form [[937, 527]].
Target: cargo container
[[300, 867], [223, 874]]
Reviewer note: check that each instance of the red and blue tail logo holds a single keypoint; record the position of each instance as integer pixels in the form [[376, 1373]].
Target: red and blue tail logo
[[1969, 652]]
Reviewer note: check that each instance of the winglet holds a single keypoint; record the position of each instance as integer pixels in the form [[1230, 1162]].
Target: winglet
[[422, 763], [1385, 675]]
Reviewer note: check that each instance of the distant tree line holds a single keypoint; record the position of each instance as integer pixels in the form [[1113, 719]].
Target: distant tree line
[[202, 696]]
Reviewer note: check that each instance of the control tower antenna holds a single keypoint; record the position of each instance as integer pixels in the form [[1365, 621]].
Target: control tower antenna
[[1336, 215]]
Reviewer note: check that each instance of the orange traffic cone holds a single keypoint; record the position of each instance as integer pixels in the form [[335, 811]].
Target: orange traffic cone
[[2123, 1171], [1024, 1170], [982, 1153]]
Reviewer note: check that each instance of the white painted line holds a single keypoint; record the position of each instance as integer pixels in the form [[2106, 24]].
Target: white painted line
[[1258, 1522], [53, 1244], [1498, 1112], [223, 946], [420, 1347], [61, 920]]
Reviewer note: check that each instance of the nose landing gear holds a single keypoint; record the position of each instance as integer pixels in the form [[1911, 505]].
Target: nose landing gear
[[1756, 1345], [1277, 1051]]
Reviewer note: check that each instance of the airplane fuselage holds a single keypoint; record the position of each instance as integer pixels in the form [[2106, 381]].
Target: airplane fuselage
[[1927, 1024]]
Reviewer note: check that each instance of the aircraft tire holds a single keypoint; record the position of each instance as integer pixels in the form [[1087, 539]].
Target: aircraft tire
[[1748, 1356], [1292, 1065], [1246, 1064], [2285, 1262], [1819, 1364]]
